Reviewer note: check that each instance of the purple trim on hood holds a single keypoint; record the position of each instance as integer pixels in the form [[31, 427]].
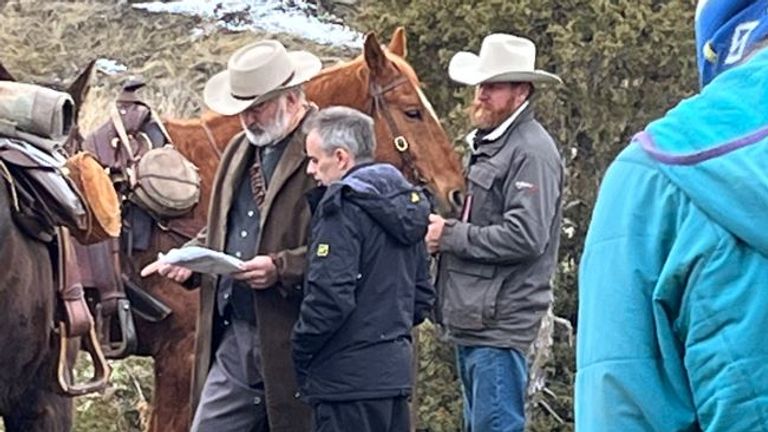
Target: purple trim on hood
[[646, 142]]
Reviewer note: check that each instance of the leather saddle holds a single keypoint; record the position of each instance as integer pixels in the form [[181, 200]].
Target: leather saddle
[[106, 267], [44, 197], [44, 203]]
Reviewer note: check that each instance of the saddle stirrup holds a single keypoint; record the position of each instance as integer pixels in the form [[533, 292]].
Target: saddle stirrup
[[101, 370]]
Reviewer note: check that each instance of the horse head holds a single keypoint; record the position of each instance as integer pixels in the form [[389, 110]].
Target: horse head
[[380, 82]]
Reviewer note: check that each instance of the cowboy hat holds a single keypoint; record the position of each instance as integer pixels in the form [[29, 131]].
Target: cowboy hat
[[503, 58], [257, 72]]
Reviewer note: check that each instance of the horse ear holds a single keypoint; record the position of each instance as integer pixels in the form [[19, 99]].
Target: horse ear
[[398, 43], [81, 85], [5, 75], [374, 55]]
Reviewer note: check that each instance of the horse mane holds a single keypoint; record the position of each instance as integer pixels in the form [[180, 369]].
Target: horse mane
[[328, 77]]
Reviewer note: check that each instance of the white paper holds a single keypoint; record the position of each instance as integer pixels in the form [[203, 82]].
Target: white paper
[[202, 260]]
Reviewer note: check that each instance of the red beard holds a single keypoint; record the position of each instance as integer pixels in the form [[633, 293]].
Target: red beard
[[484, 117]]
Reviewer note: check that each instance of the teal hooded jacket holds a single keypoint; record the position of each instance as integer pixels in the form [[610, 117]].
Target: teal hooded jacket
[[673, 282]]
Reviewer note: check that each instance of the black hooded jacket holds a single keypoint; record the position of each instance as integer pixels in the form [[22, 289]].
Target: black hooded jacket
[[367, 284]]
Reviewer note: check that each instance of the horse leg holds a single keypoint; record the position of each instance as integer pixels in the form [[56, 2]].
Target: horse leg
[[41, 408], [42, 411], [173, 380]]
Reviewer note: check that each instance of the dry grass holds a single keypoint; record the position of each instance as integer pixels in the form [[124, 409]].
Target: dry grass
[[50, 42]]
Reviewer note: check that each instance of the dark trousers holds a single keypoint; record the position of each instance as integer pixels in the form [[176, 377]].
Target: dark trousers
[[372, 415]]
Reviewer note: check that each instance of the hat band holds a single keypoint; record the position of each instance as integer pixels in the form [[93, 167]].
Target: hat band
[[245, 98]]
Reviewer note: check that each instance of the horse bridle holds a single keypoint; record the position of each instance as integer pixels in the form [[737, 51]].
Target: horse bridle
[[401, 144]]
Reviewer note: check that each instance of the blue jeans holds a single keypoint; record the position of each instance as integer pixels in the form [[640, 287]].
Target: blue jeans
[[493, 381]]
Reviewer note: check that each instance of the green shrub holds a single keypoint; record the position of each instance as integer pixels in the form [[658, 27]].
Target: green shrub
[[623, 62]]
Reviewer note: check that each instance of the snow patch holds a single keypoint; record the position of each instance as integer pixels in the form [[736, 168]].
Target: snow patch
[[109, 66], [268, 15]]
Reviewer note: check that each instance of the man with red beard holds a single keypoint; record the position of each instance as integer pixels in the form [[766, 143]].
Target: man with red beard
[[497, 260]]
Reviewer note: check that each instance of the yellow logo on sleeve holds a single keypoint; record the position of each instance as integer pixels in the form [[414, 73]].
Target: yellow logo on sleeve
[[323, 249], [415, 197]]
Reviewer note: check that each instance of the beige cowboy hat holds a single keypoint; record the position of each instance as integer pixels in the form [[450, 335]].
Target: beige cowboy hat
[[257, 72], [502, 58]]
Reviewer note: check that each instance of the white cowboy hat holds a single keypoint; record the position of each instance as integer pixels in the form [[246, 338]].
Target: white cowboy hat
[[255, 73], [503, 58]]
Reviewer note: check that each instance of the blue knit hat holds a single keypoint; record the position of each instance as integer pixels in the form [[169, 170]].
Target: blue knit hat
[[725, 32]]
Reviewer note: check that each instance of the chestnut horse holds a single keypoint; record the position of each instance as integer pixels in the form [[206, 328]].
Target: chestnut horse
[[379, 82], [29, 355]]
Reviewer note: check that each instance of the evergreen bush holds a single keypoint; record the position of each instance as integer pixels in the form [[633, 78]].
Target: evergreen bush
[[624, 63]]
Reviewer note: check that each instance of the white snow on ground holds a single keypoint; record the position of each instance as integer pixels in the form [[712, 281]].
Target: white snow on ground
[[109, 66], [268, 15]]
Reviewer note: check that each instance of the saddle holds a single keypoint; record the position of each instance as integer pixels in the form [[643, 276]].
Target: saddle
[[45, 202], [44, 197], [123, 146], [141, 159], [52, 191]]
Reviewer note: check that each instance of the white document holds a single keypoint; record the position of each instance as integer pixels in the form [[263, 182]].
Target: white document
[[202, 260]]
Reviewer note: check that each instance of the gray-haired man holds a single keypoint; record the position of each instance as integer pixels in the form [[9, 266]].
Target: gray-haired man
[[366, 283]]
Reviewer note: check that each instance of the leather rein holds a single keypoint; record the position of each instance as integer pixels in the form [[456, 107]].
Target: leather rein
[[401, 144]]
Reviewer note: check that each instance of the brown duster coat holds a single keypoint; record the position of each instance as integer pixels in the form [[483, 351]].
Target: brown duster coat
[[284, 228]]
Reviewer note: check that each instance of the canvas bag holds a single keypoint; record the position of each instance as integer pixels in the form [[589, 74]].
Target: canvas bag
[[166, 183], [162, 181]]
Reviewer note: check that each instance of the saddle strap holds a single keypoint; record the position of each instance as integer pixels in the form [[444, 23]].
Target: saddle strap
[[160, 125], [78, 317], [6, 174], [122, 133], [99, 265]]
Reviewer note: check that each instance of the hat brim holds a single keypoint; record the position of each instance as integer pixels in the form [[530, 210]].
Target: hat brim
[[218, 93], [464, 68]]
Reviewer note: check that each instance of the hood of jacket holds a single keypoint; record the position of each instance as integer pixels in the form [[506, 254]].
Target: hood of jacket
[[714, 147], [380, 190]]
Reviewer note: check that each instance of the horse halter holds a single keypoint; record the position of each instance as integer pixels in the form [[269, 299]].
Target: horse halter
[[402, 145]]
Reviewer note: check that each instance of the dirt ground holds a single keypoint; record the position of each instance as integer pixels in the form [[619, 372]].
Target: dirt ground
[[50, 41]]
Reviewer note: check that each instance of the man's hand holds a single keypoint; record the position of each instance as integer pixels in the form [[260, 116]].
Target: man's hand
[[434, 232], [176, 273], [259, 272]]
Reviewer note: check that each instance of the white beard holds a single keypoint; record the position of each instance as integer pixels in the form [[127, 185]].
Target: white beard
[[270, 134]]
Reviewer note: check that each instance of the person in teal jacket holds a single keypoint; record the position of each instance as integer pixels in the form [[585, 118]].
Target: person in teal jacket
[[673, 283]]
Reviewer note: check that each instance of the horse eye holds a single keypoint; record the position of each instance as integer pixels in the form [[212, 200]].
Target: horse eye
[[413, 114]]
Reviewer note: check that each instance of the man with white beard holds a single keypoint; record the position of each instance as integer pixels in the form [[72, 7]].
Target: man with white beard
[[258, 213]]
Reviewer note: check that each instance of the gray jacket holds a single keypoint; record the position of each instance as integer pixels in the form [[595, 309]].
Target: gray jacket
[[495, 269]]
